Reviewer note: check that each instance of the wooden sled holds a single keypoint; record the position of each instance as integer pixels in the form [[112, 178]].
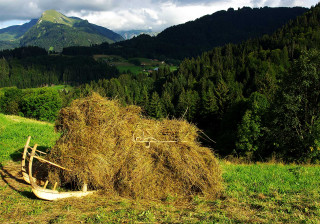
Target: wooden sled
[[42, 192]]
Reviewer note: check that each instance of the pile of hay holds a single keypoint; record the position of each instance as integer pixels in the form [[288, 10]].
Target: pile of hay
[[115, 148]]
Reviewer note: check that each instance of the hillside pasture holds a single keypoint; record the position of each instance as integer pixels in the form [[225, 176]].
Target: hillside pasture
[[133, 65]]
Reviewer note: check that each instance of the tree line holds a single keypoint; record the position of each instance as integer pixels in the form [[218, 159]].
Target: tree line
[[194, 37], [28, 67]]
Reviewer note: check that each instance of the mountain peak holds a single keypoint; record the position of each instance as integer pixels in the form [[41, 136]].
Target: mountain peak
[[56, 17], [53, 29]]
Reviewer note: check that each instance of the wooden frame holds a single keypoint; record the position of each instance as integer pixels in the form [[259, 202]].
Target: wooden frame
[[42, 192]]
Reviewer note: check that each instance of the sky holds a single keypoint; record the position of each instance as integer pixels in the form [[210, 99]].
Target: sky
[[131, 14]]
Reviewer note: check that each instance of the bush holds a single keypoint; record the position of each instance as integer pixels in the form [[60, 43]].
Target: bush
[[42, 104], [10, 100]]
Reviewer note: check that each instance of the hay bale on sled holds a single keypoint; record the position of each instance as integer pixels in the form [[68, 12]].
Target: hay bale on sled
[[115, 148]]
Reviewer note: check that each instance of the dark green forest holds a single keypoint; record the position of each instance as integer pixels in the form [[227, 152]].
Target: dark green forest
[[32, 67], [256, 99], [192, 38]]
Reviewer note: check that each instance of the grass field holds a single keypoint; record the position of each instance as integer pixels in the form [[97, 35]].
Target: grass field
[[14, 132], [255, 193]]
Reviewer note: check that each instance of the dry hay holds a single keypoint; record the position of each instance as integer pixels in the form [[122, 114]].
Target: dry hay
[[102, 143]]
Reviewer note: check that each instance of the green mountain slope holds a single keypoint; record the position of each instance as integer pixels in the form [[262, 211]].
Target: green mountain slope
[[56, 30], [9, 37], [12, 33]]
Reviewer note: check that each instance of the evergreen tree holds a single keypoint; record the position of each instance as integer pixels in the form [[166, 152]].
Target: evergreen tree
[[155, 107]]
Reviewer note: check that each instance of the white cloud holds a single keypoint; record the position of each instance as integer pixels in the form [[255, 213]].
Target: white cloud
[[132, 14], [165, 14]]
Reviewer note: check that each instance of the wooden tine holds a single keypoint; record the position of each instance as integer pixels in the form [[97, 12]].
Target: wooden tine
[[45, 185], [24, 155], [30, 163], [55, 186], [85, 187]]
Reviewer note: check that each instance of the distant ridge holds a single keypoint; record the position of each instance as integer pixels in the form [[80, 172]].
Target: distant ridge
[[194, 37], [129, 34]]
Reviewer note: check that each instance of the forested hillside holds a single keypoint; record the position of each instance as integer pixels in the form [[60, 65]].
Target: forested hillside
[[194, 37], [254, 99], [33, 67]]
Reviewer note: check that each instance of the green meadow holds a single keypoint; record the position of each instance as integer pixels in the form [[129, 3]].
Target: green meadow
[[14, 131], [253, 193], [133, 65]]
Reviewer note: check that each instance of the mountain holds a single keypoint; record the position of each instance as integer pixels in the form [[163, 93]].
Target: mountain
[[192, 38], [14, 32], [9, 37], [56, 31], [129, 34]]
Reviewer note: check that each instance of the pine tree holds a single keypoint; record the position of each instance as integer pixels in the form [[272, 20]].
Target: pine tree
[[155, 107]]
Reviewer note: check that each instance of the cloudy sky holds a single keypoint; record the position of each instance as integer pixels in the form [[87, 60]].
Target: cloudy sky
[[130, 14]]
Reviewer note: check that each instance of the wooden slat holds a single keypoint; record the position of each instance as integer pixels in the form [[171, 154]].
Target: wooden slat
[[54, 164]]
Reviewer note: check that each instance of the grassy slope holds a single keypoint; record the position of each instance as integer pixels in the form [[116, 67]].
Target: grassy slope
[[257, 193], [56, 30], [56, 17], [124, 65], [14, 132]]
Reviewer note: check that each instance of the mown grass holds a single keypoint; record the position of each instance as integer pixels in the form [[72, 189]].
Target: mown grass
[[255, 193]]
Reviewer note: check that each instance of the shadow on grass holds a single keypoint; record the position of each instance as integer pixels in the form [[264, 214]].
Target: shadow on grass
[[28, 194], [5, 175], [17, 155], [11, 175]]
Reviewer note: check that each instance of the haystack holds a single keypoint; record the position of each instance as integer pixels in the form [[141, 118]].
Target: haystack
[[116, 149]]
